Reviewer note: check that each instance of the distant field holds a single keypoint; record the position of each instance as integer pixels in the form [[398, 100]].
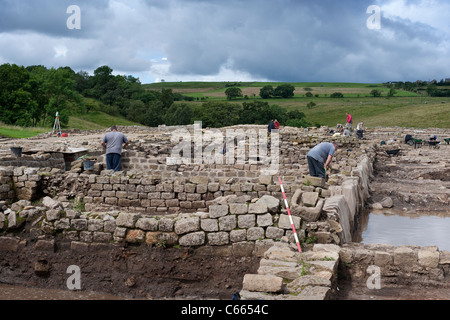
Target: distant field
[[405, 109]]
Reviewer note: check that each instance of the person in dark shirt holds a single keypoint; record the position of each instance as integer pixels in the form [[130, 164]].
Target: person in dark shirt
[[271, 126]]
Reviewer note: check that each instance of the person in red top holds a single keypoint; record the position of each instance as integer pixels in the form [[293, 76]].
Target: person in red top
[[277, 124], [349, 121]]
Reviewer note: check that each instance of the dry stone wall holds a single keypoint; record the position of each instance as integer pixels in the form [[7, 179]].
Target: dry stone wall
[[38, 160], [397, 265]]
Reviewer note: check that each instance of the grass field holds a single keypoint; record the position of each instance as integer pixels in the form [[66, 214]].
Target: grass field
[[94, 120], [20, 132], [405, 109]]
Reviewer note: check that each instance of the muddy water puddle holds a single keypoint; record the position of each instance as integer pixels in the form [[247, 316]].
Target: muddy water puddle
[[394, 229]]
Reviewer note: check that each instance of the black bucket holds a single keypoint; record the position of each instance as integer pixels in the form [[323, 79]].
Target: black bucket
[[16, 151], [88, 165]]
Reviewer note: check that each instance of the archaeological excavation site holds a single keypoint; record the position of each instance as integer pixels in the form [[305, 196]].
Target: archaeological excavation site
[[183, 221]]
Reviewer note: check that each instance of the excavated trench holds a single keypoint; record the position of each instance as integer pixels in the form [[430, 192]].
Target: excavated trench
[[417, 181], [417, 185]]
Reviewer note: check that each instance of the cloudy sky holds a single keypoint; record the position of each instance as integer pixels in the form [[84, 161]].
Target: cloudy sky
[[233, 40]]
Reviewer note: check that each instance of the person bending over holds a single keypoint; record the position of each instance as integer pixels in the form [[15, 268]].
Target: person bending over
[[319, 158]]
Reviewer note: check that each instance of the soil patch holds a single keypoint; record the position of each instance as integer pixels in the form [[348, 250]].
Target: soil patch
[[138, 272]]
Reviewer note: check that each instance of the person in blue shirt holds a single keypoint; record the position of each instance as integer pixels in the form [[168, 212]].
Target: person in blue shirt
[[319, 158]]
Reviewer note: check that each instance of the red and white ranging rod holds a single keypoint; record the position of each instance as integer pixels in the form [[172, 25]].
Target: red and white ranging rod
[[290, 217]]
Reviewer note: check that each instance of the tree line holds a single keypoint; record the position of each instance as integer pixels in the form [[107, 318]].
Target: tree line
[[432, 88], [31, 96]]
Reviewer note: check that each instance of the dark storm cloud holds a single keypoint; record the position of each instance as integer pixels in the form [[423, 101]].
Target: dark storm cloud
[[280, 40], [49, 16]]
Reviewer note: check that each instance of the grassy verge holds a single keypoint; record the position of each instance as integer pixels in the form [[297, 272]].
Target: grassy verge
[[20, 132], [94, 120]]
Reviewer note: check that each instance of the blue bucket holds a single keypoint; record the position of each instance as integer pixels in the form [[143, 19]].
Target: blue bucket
[[88, 165]]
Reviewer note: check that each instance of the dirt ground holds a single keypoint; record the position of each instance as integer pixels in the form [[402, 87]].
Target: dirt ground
[[132, 272], [417, 180], [348, 292]]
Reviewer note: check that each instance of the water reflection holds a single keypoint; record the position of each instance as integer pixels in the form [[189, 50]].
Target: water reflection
[[423, 230]]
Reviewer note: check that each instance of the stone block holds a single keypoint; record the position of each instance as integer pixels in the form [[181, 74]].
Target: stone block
[[192, 239], [213, 187], [444, 257], [246, 221], [218, 238], [238, 235], [227, 223], [86, 236], [161, 238], [274, 233], [9, 244], [199, 180], [428, 258], [45, 245], [257, 208], [62, 224], [273, 204], [264, 220], [267, 180], [209, 225], [404, 256], [314, 181], [103, 237], [262, 283], [50, 203], [186, 225], [383, 258], [309, 199], [285, 223], [283, 253], [255, 233], [238, 208], [166, 224], [147, 224], [216, 211], [53, 214], [127, 219], [135, 236]]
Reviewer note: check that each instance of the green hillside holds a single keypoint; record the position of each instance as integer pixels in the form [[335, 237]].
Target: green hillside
[[404, 108], [99, 101]]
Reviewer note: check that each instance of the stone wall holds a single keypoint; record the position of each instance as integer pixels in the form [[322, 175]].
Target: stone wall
[[38, 160], [235, 219], [399, 265]]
